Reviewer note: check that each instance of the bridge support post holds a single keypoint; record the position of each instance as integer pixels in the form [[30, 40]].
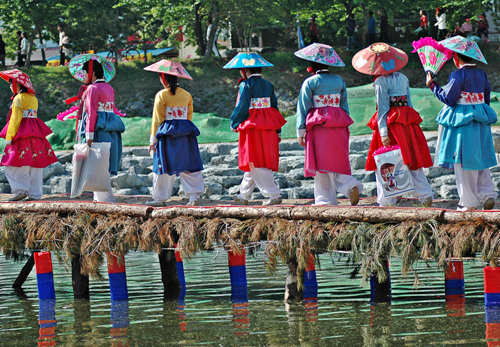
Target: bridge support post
[[292, 292], [381, 292], [79, 281], [169, 274]]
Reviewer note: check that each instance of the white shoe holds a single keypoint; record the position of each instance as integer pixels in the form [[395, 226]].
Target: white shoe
[[275, 201], [192, 203], [19, 196], [156, 203], [237, 199], [466, 209]]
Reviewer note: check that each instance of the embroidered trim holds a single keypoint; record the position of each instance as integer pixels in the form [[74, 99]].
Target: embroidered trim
[[29, 113], [332, 100], [176, 112], [108, 106], [401, 100], [260, 103], [469, 98]]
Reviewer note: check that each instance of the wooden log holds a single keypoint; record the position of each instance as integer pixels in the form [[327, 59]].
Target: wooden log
[[292, 291], [25, 271], [80, 282], [169, 277], [65, 208]]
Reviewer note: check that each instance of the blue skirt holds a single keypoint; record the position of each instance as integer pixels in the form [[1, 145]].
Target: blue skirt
[[466, 136], [177, 148], [108, 128]]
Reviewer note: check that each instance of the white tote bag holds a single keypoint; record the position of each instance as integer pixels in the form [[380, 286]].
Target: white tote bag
[[392, 172], [91, 168]]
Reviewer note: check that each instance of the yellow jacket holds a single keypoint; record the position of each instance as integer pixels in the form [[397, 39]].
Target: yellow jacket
[[22, 102]]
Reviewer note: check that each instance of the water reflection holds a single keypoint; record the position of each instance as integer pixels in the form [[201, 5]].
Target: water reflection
[[119, 322], [180, 308], [47, 322]]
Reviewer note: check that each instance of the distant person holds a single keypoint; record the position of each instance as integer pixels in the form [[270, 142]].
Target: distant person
[[466, 28], [372, 28], [313, 30], [2, 51], [351, 31], [441, 23], [384, 26], [68, 52], [19, 61], [424, 24], [24, 48], [215, 50], [482, 27], [62, 57]]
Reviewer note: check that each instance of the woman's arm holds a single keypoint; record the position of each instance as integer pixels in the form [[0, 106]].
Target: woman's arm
[[158, 116], [240, 113], [15, 119]]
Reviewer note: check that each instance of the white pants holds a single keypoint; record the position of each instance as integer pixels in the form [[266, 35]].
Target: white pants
[[474, 186], [104, 196], [422, 191], [262, 178], [25, 178], [192, 183], [326, 186]]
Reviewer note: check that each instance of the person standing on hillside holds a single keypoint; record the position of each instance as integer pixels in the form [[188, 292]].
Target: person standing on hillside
[[2, 51], [24, 47], [313, 30], [62, 55], [372, 28], [441, 23], [19, 61], [384, 26], [424, 22], [351, 31]]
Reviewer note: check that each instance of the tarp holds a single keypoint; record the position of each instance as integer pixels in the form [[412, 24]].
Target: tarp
[[216, 129]]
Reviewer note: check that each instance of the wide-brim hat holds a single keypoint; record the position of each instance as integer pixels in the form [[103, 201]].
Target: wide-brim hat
[[320, 53], [75, 66], [20, 77], [465, 47], [379, 59], [246, 61], [170, 68]]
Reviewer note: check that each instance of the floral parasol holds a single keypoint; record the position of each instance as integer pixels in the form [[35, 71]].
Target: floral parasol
[[76, 64], [379, 59]]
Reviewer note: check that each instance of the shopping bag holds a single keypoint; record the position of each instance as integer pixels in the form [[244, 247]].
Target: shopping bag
[[392, 172], [91, 168]]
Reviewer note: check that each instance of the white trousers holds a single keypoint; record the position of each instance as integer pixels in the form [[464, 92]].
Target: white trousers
[[25, 178], [262, 178], [192, 183], [474, 186], [326, 186], [422, 191], [104, 196]]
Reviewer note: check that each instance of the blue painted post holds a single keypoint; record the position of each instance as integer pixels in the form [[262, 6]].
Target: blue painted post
[[491, 286], [117, 277], [454, 288], [44, 276], [180, 268], [311, 291]]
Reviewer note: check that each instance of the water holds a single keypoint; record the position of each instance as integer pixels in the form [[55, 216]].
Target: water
[[343, 315]]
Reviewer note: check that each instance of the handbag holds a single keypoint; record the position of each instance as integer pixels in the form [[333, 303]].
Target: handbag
[[392, 172], [90, 168]]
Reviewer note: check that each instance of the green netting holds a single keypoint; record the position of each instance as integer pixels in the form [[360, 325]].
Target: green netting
[[216, 129]]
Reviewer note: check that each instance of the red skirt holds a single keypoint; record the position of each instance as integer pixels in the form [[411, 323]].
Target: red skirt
[[259, 142], [404, 130]]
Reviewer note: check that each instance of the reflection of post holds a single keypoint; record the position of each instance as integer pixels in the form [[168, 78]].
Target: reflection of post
[[119, 323], [117, 277], [170, 273], [311, 291], [493, 325], [454, 288], [239, 291], [381, 292], [47, 322], [180, 309], [241, 318], [292, 291], [44, 276]]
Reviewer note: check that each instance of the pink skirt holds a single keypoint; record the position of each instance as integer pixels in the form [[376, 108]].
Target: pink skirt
[[29, 147], [327, 141]]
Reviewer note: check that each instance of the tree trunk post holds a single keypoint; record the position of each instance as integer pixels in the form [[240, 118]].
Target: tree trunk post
[[381, 292], [292, 292], [25, 271], [79, 281]]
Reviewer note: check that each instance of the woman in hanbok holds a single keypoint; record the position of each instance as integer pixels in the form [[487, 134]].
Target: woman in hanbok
[[465, 143], [99, 123], [173, 138], [27, 150], [257, 120], [395, 122], [323, 128]]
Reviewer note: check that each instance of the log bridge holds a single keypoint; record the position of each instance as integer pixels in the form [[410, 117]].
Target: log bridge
[[81, 233]]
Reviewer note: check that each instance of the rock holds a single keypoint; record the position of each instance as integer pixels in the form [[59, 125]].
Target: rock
[[53, 170], [359, 144], [64, 157], [59, 185], [126, 191], [443, 180], [292, 162], [140, 151], [448, 192], [225, 181], [364, 176], [224, 159], [212, 188], [358, 161], [435, 171], [290, 145], [3, 178], [5, 188], [130, 180], [295, 175], [299, 193], [369, 189]]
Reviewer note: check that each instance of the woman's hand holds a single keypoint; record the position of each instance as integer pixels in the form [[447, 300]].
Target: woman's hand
[[89, 142], [301, 141], [152, 149], [386, 141], [429, 79]]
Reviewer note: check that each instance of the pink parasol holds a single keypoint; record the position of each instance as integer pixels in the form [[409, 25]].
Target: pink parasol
[[432, 54], [170, 68], [379, 59]]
